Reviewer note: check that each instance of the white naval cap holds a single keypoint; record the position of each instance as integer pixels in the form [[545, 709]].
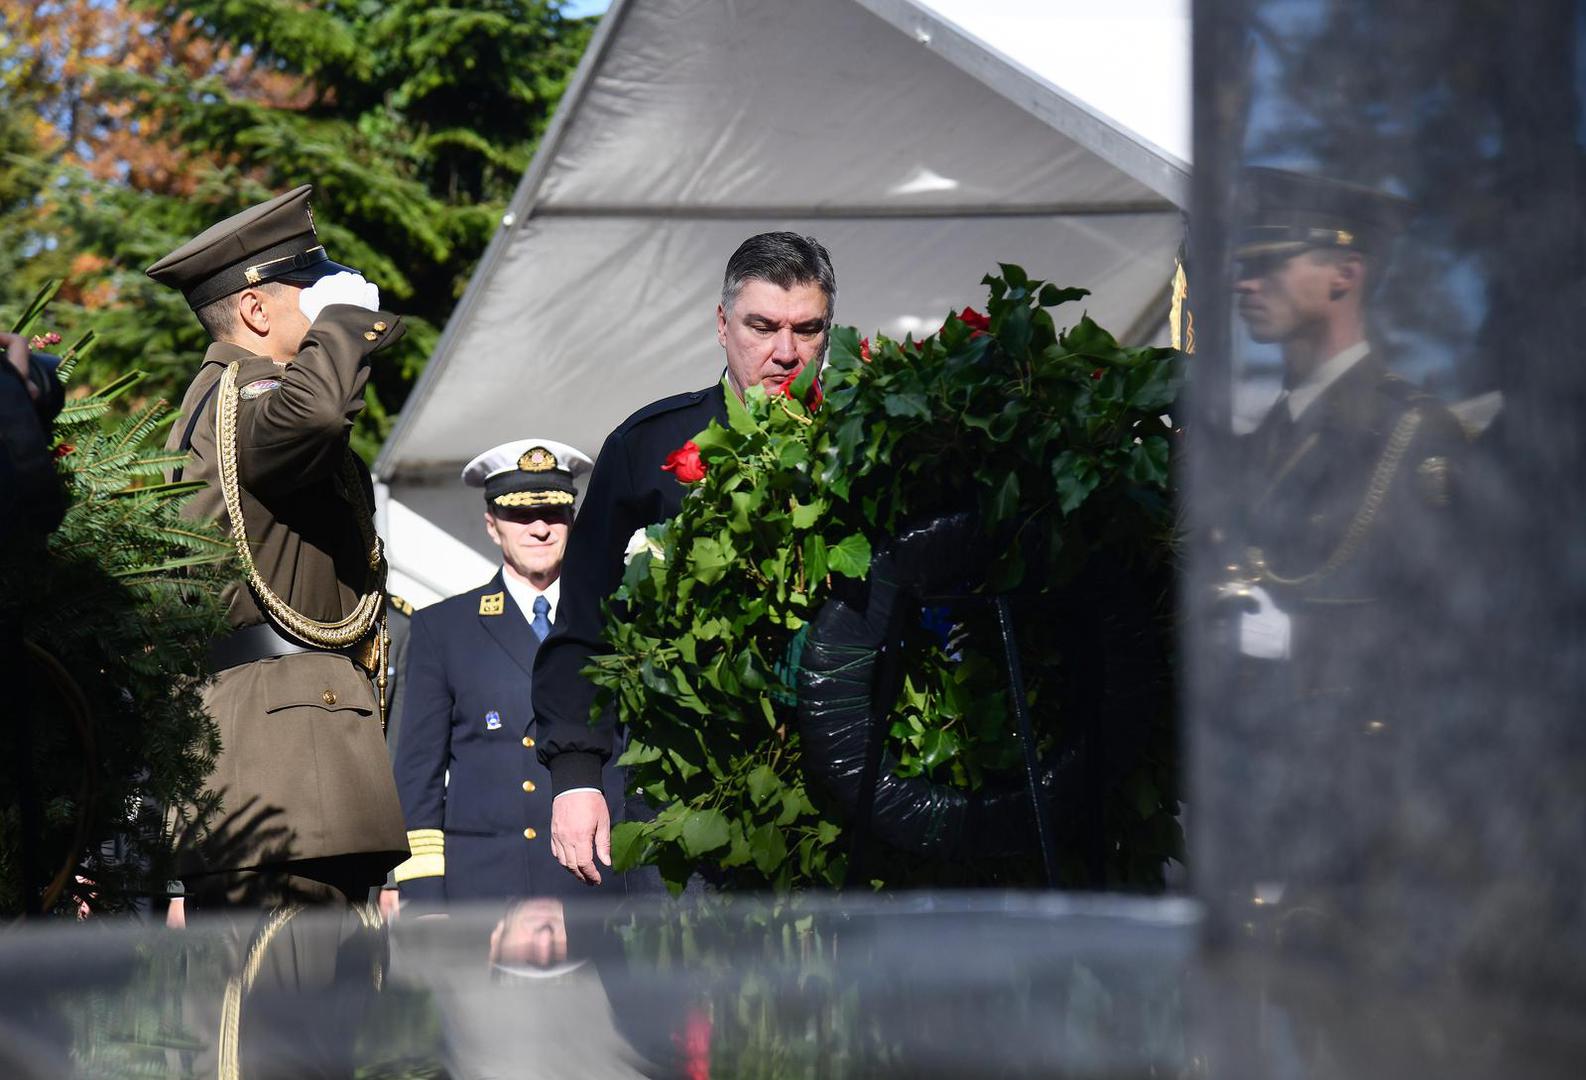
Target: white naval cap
[[528, 472]]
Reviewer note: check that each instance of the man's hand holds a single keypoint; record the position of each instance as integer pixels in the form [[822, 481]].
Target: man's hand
[[580, 831], [390, 904], [343, 288]]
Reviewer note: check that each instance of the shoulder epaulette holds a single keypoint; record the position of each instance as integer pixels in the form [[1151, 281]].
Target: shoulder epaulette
[[665, 405], [401, 604]]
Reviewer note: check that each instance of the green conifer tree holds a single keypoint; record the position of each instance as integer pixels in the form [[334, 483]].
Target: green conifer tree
[[413, 121], [105, 726]]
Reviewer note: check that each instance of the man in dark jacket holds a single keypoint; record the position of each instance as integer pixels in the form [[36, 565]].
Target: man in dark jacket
[[775, 310]]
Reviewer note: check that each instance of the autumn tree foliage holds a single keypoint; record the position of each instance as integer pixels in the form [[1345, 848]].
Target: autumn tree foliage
[[128, 125]]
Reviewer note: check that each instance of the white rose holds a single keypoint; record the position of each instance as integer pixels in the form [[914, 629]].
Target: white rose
[[640, 541]]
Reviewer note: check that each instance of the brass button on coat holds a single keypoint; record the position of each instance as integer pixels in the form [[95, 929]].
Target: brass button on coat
[[529, 834], [528, 741], [380, 326], [370, 335], [528, 785], [329, 696]]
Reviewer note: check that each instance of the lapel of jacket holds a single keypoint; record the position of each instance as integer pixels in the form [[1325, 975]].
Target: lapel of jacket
[[1334, 417], [510, 629]]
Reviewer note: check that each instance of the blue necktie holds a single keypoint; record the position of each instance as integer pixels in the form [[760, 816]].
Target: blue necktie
[[541, 623]]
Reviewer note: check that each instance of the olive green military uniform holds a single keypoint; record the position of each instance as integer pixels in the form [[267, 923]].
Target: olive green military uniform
[[308, 817], [302, 776], [303, 771]]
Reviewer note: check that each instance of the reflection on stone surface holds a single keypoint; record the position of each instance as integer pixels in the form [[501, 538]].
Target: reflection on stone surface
[[928, 985], [1387, 587]]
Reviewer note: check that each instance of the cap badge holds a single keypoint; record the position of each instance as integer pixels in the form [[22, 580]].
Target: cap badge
[[1345, 238], [492, 604], [537, 459]]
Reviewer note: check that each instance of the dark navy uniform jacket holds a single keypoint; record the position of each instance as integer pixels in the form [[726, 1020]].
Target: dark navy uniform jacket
[[484, 832], [627, 491]]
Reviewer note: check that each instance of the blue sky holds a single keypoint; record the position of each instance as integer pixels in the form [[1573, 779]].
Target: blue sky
[[580, 8]]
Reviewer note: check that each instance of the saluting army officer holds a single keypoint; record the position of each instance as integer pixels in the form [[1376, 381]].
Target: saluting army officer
[[476, 798], [308, 809]]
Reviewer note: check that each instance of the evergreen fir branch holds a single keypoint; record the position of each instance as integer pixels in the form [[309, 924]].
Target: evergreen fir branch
[[79, 412], [135, 429], [36, 306], [166, 567], [73, 355], [192, 538], [166, 490]]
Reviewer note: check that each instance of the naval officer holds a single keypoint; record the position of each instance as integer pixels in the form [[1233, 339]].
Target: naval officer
[[476, 798]]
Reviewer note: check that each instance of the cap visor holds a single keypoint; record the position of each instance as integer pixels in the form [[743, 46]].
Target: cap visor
[[310, 274]]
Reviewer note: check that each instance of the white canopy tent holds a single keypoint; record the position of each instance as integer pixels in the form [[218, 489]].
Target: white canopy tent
[[920, 155]]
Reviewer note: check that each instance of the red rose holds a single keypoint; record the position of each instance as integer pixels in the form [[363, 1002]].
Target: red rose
[[694, 1042], [864, 349], [1096, 374], [974, 320], [62, 450], [685, 464], [816, 396]]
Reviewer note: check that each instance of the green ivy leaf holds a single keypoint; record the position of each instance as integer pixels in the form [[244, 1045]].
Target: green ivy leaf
[[708, 559], [851, 556], [763, 783], [738, 418], [1014, 276], [628, 842], [938, 746], [1148, 461], [704, 831], [1005, 504], [805, 517], [768, 847], [843, 344], [907, 403], [639, 753], [1052, 296], [816, 563], [738, 853], [1076, 477]]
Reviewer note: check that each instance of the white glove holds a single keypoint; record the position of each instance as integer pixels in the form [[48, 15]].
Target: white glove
[[1265, 632], [343, 288]]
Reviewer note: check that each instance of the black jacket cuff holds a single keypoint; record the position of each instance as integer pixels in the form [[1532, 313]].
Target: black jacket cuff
[[574, 769]]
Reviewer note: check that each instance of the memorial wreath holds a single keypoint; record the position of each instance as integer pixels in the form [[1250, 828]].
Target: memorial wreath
[[1035, 463]]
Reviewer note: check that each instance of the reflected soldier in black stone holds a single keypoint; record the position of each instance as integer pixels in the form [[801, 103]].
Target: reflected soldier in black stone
[[1353, 470]]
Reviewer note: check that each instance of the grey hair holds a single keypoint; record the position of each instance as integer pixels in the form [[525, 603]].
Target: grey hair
[[784, 259]]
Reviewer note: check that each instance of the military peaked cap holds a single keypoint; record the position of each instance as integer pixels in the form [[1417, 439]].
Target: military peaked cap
[[528, 472], [274, 241], [1286, 212]]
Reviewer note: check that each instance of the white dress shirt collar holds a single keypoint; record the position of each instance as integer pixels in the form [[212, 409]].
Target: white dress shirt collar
[[1303, 396], [523, 595]]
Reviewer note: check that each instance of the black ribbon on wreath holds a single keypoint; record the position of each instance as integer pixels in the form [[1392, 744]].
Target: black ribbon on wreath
[[850, 674]]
